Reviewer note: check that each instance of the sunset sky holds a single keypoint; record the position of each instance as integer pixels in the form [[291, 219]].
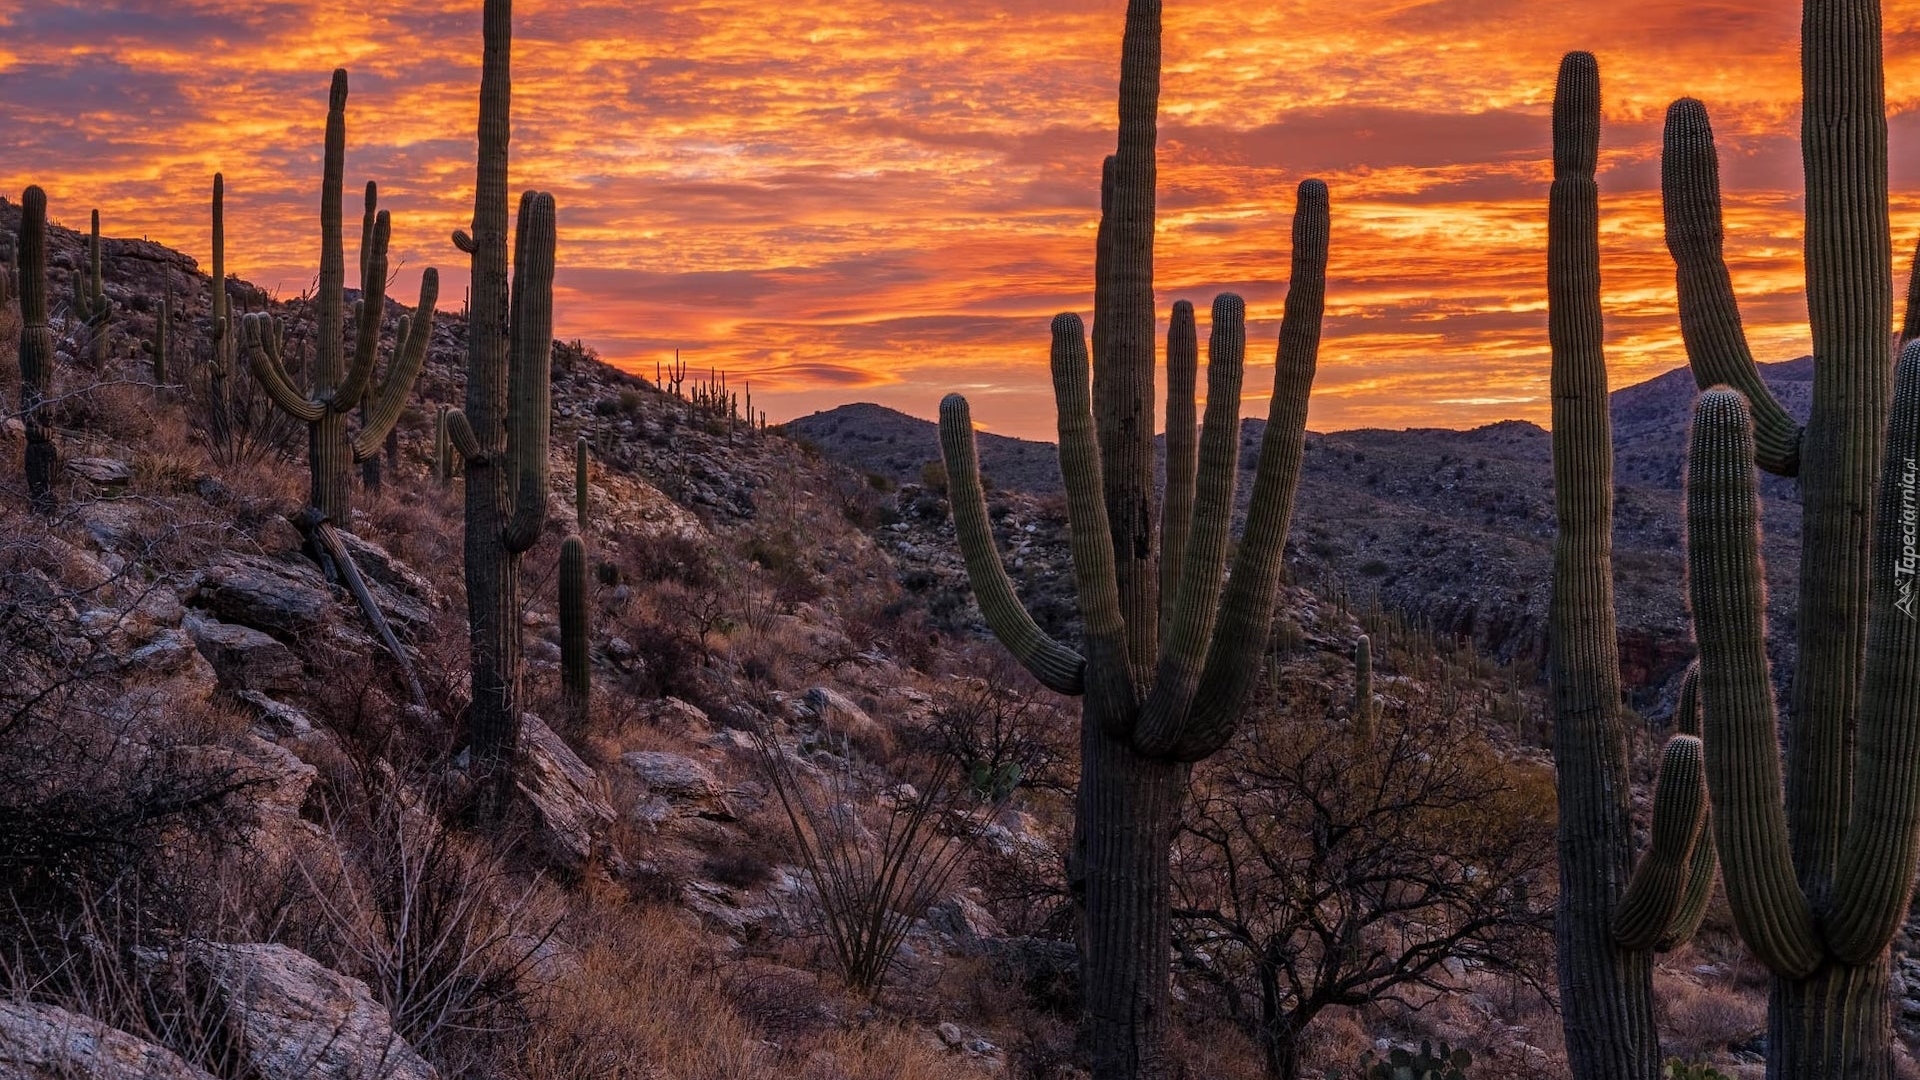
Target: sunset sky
[[885, 200]]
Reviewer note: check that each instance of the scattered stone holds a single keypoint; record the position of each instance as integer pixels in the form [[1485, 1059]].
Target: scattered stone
[[280, 598], [950, 1034], [839, 715], [244, 658], [276, 718], [667, 773], [101, 472], [565, 793], [294, 1018], [41, 1042]]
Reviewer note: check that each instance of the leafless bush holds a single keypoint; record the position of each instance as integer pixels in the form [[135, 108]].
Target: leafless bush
[[1002, 731], [871, 887]]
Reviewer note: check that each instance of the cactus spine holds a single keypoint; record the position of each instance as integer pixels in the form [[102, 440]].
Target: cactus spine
[[90, 301], [1820, 854], [337, 388], [576, 670], [1154, 702], [36, 349], [503, 432]]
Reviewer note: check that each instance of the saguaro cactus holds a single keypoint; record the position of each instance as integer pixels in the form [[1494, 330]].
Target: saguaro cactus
[[337, 388], [1363, 691], [503, 432], [576, 668], [1606, 935], [156, 349], [90, 300], [1819, 862], [36, 348], [580, 492], [1154, 701]]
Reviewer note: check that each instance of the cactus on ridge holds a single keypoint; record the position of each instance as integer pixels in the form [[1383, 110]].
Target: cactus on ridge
[[90, 300], [576, 668], [156, 349], [338, 388], [1363, 691], [580, 491]]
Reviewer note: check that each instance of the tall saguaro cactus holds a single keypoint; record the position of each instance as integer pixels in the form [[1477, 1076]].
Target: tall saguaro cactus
[[1606, 934], [226, 332], [1818, 855], [503, 432], [337, 387], [36, 348], [1154, 700]]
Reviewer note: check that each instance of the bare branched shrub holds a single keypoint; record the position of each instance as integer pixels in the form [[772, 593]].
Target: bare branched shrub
[[871, 886], [1001, 731], [1315, 873]]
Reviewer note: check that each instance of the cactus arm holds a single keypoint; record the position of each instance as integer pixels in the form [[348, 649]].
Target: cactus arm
[[367, 317], [1056, 666], [1183, 650], [1176, 506], [415, 334], [1881, 852], [328, 355], [1910, 326], [1658, 887], [1725, 586], [367, 218], [263, 351], [1109, 681], [530, 378], [1246, 609], [1706, 861], [1710, 324], [465, 443]]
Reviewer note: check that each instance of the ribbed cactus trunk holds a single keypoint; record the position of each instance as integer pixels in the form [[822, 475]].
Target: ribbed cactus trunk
[[337, 387], [576, 664], [1606, 990], [36, 349], [90, 300], [503, 432], [1166, 666], [1819, 881], [225, 332]]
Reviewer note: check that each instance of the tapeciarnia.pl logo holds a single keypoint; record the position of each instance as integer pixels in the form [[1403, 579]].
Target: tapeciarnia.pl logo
[[1905, 566]]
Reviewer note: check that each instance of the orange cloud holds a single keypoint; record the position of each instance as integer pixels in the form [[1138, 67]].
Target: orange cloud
[[888, 200]]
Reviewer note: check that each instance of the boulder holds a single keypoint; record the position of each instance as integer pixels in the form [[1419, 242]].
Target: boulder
[[676, 786], [295, 1019], [840, 716], [568, 799], [41, 1042], [284, 599], [244, 658], [101, 472]]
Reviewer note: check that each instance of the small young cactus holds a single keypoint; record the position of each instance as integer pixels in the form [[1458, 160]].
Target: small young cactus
[[90, 301], [442, 449], [580, 483], [1363, 690], [576, 669], [162, 329]]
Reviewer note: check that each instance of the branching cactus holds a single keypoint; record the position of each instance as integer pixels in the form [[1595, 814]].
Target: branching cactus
[[576, 667], [338, 388], [1606, 936], [90, 301], [36, 349], [1818, 848], [1168, 654], [503, 433]]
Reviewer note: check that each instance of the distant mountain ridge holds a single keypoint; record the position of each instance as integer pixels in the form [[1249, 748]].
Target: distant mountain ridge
[[1452, 528]]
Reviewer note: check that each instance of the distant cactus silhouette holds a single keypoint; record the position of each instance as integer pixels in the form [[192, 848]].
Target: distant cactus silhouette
[[90, 300]]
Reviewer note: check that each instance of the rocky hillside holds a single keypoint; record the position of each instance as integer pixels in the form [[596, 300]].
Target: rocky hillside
[[1452, 529]]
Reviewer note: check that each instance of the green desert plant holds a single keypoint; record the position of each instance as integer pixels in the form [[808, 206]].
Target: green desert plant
[[1363, 691], [336, 387], [90, 301], [1819, 855], [1606, 934], [502, 434], [1163, 670], [36, 349], [576, 668], [1430, 1063]]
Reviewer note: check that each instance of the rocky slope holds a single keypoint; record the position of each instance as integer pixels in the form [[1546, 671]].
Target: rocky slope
[[1452, 529]]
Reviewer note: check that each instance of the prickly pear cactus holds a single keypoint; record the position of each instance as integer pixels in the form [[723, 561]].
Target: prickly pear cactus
[[1677, 1069]]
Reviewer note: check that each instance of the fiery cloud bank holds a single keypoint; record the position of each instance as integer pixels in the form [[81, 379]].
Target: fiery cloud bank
[[887, 199]]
